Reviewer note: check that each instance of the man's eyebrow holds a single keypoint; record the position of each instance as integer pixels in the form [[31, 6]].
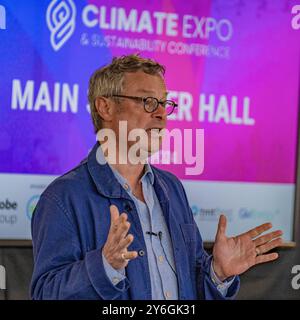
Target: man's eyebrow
[[150, 91]]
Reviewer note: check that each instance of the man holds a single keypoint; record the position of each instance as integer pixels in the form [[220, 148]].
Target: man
[[123, 229]]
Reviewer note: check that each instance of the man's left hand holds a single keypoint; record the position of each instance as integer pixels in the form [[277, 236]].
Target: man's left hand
[[235, 255]]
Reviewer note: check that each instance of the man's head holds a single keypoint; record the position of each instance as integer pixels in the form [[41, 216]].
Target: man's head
[[118, 92], [110, 80]]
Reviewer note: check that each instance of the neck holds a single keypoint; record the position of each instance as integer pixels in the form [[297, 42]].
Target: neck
[[131, 172]]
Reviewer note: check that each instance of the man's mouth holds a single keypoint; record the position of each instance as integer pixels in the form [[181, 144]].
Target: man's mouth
[[155, 129]]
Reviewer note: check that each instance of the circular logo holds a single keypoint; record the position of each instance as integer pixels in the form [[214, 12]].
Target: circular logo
[[31, 204]]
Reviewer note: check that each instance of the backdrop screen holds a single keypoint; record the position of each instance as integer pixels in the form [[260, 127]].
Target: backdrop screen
[[232, 66]]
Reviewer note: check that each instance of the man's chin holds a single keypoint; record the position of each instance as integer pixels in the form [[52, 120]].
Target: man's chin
[[148, 152], [145, 153], [142, 151], [154, 147], [152, 151]]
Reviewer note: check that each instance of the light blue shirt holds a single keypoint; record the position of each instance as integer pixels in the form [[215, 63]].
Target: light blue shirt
[[159, 248]]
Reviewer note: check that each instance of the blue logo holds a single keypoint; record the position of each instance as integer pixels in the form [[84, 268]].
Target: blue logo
[[211, 214], [246, 213]]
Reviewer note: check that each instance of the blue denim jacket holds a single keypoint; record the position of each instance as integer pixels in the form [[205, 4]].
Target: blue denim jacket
[[70, 225]]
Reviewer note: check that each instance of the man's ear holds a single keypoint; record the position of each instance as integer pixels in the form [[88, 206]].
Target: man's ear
[[104, 108]]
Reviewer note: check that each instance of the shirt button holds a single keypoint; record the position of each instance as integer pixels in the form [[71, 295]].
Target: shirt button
[[115, 280], [168, 294], [160, 259], [126, 186]]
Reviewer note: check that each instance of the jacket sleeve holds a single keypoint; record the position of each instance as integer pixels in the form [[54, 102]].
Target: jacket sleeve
[[61, 270], [206, 288]]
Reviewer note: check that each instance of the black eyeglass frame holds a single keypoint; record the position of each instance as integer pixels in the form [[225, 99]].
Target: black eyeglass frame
[[144, 100]]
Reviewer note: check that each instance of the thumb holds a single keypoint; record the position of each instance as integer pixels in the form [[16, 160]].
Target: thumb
[[221, 232]]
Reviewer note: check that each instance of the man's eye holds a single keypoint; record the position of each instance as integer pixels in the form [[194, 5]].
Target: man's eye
[[150, 102]]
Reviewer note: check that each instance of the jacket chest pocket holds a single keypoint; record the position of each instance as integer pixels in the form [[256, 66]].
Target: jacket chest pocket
[[189, 232]]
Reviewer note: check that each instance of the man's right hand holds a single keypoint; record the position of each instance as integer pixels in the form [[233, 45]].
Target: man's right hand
[[115, 249]]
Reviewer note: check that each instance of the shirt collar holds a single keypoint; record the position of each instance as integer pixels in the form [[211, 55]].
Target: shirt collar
[[148, 172]]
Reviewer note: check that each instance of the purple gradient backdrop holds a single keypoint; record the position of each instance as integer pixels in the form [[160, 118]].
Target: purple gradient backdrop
[[263, 65]]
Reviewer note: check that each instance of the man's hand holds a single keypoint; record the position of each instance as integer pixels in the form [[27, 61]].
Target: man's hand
[[233, 256], [115, 248]]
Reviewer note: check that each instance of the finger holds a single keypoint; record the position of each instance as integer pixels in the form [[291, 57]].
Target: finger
[[122, 230], [114, 217], [130, 255], [253, 233], [221, 226], [122, 218], [119, 223], [268, 237], [266, 258], [269, 246], [125, 243]]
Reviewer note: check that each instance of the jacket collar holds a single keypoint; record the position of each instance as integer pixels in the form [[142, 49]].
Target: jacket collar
[[108, 185], [102, 175]]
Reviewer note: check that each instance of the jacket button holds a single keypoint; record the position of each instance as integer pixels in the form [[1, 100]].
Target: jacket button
[[141, 253], [127, 207]]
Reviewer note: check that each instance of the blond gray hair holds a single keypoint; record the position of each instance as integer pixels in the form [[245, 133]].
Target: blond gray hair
[[108, 80]]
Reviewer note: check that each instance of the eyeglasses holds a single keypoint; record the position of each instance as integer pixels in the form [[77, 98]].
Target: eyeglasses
[[151, 104]]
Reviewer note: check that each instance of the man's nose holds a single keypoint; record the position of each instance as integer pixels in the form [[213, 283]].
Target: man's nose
[[160, 113]]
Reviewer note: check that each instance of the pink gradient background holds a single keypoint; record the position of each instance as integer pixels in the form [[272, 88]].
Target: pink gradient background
[[264, 66]]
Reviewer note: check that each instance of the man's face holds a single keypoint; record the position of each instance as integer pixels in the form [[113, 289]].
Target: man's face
[[141, 84]]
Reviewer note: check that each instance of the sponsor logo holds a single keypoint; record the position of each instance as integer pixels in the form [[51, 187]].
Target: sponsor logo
[[2, 18], [246, 213], [8, 218], [31, 204], [60, 17], [8, 205], [211, 214]]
